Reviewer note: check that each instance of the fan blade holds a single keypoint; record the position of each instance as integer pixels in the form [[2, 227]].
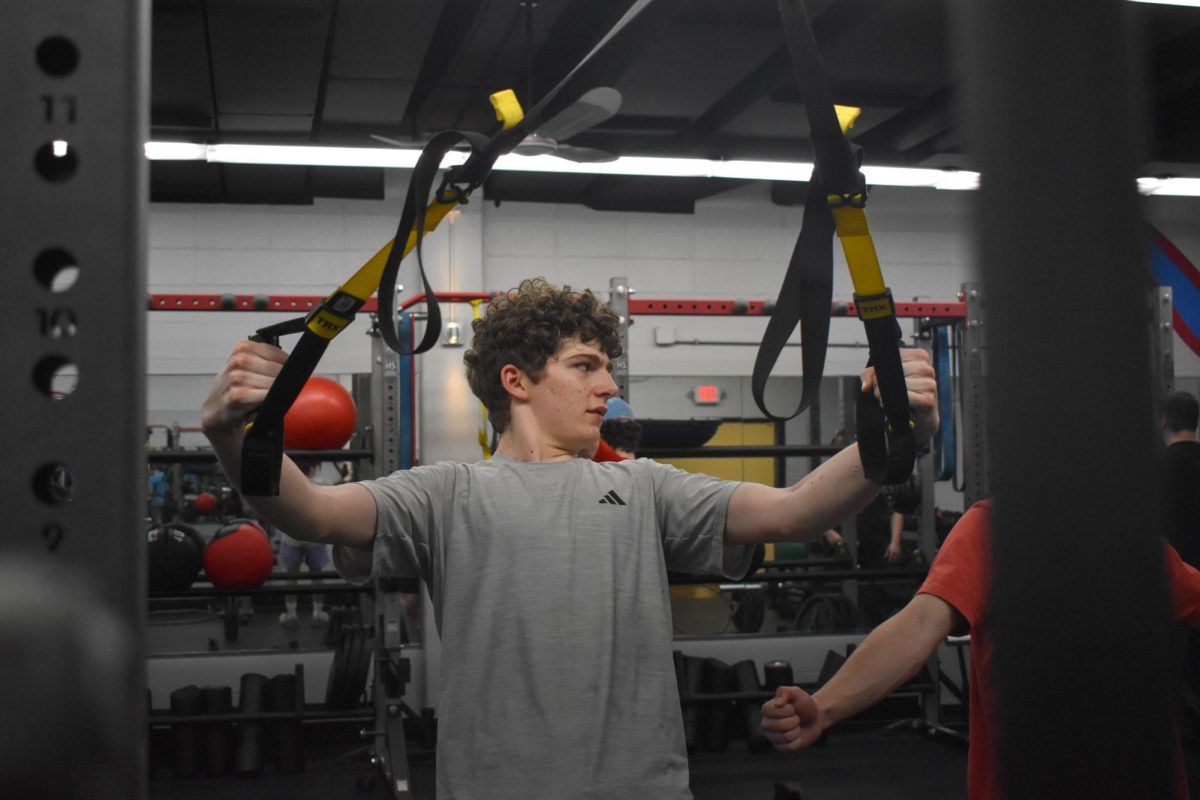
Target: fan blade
[[534, 145], [584, 155], [592, 108], [392, 142]]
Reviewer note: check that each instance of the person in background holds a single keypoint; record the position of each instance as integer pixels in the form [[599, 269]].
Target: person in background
[[157, 481], [1179, 478], [953, 600], [620, 431], [547, 570], [294, 553], [893, 552], [1181, 474]]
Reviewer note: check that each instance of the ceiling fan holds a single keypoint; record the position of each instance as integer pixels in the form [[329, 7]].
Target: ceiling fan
[[593, 107]]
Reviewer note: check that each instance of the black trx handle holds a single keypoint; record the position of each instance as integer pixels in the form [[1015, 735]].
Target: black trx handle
[[836, 199], [887, 453], [262, 449]]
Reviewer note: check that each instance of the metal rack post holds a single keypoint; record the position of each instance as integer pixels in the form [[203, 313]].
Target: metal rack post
[[618, 298], [73, 490], [1162, 343], [972, 386]]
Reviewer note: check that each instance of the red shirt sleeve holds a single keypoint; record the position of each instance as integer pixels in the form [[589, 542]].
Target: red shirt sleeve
[[1184, 580], [605, 453], [961, 573]]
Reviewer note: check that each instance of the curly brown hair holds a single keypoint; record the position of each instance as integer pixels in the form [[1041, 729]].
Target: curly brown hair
[[525, 327]]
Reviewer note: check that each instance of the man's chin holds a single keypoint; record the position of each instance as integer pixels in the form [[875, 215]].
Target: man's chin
[[589, 449]]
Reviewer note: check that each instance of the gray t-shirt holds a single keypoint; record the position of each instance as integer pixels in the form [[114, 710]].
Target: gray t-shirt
[[549, 587]]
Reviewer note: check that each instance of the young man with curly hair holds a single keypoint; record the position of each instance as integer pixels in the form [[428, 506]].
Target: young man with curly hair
[[547, 570]]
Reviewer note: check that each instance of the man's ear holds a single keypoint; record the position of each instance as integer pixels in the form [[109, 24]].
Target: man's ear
[[514, 381]]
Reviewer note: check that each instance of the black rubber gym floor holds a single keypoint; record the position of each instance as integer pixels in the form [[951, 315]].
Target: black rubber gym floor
[[855, 764], [858, 764]]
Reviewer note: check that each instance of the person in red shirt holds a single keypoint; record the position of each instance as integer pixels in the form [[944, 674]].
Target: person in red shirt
[[953, 600], [620, 433]]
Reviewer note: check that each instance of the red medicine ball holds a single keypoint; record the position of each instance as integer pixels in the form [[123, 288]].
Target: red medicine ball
[[205, 503], [239, 556], [322, 418]]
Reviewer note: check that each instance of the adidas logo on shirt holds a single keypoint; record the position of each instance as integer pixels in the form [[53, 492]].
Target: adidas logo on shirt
[[612, 498]]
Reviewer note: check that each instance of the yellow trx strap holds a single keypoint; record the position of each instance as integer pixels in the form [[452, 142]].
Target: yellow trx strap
[[850, 217], [363, 283]]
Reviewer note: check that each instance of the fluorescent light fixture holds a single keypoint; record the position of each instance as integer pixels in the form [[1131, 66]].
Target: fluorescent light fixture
[[294, 155], [1192, 3], [175, 151], [1176, 187], [397, 158], [958, 180], [660, 167]]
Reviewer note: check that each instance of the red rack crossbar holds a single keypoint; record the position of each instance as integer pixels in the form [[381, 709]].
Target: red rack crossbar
[[955, 309]]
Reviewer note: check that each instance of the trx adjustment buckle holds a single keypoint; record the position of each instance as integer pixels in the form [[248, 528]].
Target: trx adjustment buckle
[[329, 317]]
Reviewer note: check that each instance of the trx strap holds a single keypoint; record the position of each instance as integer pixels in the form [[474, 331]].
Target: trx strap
[[836, 201], [262, 449]]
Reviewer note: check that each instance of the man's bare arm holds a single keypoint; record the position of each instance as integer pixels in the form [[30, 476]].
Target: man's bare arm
[[342, 514]]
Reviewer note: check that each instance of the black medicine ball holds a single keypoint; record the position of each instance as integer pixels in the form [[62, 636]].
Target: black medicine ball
[[175, 555]]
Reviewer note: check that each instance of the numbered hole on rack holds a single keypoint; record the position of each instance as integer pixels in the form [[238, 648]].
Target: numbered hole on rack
[[56, 161], [56, 376], [57, 323], [53, 484], [57, 56], [56, 269]]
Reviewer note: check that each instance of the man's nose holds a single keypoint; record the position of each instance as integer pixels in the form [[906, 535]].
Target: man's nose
[[608, 387]]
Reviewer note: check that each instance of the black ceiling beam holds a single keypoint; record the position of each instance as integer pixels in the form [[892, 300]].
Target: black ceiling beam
[[606, 193], [1175, 63], [323, 80], [378, 50], [652, 194], [181, 91], [952, 141], [914, 126], [1177, 122], [579, 28], [850, 93], [748, 91], [830, 23], [447, 46]]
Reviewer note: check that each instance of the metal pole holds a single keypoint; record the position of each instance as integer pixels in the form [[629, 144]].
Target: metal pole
[[972, 385], [73, 489], [1078, 601], [618, 298], [1163, 344]]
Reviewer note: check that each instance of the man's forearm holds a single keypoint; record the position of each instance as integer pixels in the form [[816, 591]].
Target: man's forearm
[[285, 511], [829, 495], [823, 499], [889, 656]]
